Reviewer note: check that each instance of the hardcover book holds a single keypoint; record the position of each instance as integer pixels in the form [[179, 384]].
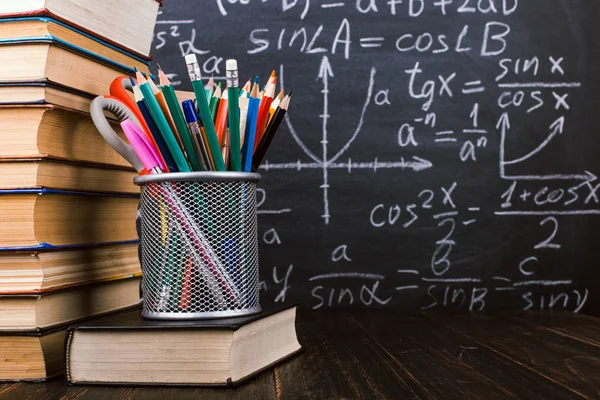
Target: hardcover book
[[209, 352]]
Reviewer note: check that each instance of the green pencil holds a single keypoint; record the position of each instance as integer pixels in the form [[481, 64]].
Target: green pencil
[[164, 128], [209, 125], [214, 102], [173, 103], [231, 71]]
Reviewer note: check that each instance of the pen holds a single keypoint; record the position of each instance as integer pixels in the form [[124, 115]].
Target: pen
[[196, 135]]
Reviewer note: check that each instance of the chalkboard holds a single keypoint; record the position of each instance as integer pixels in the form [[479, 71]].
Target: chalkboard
[[437, 154]]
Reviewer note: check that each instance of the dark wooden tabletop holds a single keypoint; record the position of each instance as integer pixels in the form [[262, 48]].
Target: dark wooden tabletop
[[379, 355]]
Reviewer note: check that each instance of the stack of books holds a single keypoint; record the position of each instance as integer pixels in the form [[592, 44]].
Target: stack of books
[[68, 243]]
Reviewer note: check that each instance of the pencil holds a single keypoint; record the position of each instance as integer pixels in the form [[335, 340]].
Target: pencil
[[225, 148], [164, 128], [243, 102], [160, 142], [274, 106], [231, 70], [252, 119], [214, 101], [209, 87], [263, 113], [173, 104], [221, 121], [246, 89], [165, 109], [270, 133], [209, 126]]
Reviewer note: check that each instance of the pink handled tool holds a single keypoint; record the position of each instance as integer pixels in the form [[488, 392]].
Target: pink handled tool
[[143, 147]]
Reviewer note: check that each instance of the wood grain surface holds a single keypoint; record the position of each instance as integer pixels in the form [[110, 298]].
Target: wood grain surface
[[385, 355]]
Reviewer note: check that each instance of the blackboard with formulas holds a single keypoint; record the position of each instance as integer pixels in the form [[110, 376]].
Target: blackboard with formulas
[[437, 154]]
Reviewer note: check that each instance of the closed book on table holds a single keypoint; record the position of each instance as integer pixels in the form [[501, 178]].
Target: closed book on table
[[127, 349], [38, 173], [126, 24], [44, 218], [34, 312], [26, 29], [60, 63], [27, 272], [32, 356], [55, 132]]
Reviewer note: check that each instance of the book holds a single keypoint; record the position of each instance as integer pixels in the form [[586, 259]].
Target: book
[[42, 91], [35, 312], [60, 63], [126, 24], [44, 28], [46, 218], [47, 131], [33, 356], [27, 272], [209, 352], [38, 173]]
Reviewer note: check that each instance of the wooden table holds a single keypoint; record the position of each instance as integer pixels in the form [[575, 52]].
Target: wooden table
[[376, 355]]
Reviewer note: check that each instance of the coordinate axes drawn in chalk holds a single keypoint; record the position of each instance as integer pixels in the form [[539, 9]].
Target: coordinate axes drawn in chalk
[[325, 162], [555, 128]]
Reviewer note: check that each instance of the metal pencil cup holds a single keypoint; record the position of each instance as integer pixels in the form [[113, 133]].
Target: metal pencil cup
[[199, 245]]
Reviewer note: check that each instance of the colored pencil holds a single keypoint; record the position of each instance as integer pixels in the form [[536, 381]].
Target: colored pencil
[[173, 104], [243, 102], [210, 87], [214, 101], [263, 113], [160, 142], [225, 148], [163, 127], [271, 130], [231, 70], [252, 119], [160, 97], [246, 89], [221, 121], [274, 106], [209, 125]]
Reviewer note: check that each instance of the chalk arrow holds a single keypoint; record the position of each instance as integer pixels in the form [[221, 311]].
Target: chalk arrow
[[590, 178], [556, 128], [325, 70], [503, 123], [419, 164]]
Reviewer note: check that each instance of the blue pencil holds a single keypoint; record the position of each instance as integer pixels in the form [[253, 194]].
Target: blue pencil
[[250, 129]]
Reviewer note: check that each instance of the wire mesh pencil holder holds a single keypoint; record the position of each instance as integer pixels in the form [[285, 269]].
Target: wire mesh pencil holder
[[199, 245]]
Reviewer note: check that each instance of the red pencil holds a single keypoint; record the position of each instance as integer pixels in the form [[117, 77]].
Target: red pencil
[[221, 121], [263, 112]]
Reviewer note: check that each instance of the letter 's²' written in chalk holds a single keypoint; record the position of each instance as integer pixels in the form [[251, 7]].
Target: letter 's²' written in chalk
[[439, 154]]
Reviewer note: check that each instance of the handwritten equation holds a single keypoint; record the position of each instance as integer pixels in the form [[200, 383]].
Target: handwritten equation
[[455, 99]]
